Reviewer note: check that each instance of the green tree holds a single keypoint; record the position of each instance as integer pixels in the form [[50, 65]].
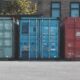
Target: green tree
[[21, 7]]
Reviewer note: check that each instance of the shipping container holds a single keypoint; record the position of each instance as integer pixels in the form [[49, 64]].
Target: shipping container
[[72, 38], [6, 38], [39, 38]]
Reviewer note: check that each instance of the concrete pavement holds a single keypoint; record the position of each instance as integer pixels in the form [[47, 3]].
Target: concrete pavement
[[25, 70]]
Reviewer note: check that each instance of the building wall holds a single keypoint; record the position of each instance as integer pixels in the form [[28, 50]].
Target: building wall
[[44, 7]]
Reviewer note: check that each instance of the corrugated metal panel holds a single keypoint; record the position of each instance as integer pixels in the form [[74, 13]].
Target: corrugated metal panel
[[49, 38], [77, 40], [69, 38], [6, 37], [28, 38], [72, 38], [40, 38]]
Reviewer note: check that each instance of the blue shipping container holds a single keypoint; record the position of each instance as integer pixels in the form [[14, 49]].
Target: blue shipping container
[[39, 38]]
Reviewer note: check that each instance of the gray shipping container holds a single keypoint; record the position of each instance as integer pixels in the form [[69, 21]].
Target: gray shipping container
[[6, 37]]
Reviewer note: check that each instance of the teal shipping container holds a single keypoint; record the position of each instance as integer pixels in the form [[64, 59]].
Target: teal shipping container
[[6, 38]]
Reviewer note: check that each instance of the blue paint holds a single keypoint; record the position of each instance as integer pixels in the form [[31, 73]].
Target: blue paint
[[39, 39]]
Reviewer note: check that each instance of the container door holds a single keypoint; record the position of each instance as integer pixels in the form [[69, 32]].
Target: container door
[[77, 41], [33, 38], [1, 39], [8, 39], [24, 39], [29, 47], [44, 32], [70, 42], [69, 38], [53, 38], [41, 39]]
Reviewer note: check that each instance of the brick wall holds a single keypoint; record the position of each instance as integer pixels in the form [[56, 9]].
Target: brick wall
[[44, 7]]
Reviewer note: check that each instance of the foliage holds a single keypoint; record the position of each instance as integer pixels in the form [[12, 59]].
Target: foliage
[[20, 7]]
